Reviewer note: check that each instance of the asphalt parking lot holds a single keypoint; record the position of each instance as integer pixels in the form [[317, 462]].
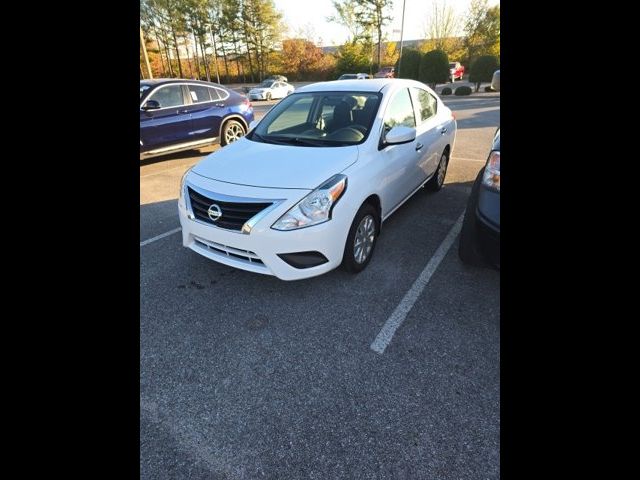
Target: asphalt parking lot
[[244, 376]]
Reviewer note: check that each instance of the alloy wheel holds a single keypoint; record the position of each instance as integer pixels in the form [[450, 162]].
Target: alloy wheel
[[365, 236]]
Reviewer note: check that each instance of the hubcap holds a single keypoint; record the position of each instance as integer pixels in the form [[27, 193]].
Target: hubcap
[[365, 236], [442, 169], [233, 133]]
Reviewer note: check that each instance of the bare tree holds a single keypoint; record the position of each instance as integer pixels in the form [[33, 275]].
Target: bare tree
[[442, 25]]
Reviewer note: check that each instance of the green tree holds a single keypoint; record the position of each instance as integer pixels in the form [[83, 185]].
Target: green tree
[[482, 30], [482, 69], [197, 19], [174, 22], [155, 25], [214, 11], [262, 27], [434, 68], [346, 15], [372, 16], [410, 64], [352, 57]]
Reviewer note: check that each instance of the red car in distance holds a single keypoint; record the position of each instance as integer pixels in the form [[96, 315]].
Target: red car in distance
[[456, 71]]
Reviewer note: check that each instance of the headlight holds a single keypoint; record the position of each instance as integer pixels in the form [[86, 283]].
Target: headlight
[[491, 177], [184, 177], [316, 207]]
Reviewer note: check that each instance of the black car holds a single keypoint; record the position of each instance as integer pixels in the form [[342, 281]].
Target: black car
[[480, 236], [177, 114]]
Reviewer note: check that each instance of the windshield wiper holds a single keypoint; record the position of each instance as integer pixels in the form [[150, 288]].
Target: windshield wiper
[[301, 141], [267, 140]]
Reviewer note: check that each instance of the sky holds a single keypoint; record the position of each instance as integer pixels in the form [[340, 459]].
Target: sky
[[311, 16]]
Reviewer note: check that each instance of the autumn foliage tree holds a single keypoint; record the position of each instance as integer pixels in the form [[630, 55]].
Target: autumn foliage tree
[[302, 60]]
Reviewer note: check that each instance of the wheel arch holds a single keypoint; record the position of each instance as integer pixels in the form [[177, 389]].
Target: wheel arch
[[374, 201], [233, 116]]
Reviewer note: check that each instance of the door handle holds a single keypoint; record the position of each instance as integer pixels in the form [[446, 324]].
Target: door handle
[[183, 111], [419, 147], [219, 105], [443, 130]]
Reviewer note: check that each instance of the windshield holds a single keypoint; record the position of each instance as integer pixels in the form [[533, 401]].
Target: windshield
[[143, 88], [266, 84], [319, 119]]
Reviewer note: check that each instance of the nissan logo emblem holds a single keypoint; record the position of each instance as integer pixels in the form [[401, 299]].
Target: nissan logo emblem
[[214, 212]]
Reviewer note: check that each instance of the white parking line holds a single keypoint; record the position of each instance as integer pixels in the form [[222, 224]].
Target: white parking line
[[158, 237], [483, 160], [163, 171], [406, 304]]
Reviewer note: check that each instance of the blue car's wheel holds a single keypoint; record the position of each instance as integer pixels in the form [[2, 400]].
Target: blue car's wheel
[[232, 131]]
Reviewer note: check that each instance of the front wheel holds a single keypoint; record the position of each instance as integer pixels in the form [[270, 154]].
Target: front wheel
[[361, 240], [232, 131]]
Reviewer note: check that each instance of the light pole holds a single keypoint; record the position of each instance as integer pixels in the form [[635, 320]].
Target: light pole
[[144, 51], [401, 35]]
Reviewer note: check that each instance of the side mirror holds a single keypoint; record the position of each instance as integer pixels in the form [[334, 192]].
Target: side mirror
[[400, 134], [253, 124], [150, 105]]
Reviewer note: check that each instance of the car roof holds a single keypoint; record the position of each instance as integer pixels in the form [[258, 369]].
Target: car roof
[[374, 85], [160, 81]]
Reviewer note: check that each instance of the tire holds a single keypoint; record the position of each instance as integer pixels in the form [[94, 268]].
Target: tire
[[437, 181], [366, 220], [268, 96], [469, 248], [232, 130]]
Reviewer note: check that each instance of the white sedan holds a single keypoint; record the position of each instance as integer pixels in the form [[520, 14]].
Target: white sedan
[[271, 89], [309, 187]]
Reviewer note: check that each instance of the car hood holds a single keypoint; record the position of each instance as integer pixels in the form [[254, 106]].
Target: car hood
[[246, 162]]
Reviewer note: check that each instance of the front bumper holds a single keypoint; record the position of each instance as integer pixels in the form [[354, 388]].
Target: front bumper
[[257, 96], [258, 250], [488, 239]]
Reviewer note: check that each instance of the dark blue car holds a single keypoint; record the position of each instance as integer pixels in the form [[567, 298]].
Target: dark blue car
[[480, 235], [178, 114]]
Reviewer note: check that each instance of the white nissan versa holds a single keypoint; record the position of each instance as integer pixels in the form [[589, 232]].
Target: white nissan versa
[[308, 188]]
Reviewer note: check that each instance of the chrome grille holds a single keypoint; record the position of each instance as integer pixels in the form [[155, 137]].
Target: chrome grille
[[234, 214]]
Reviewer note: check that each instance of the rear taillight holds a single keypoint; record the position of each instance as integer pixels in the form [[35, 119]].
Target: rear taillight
[[453, 115], [491, 177]]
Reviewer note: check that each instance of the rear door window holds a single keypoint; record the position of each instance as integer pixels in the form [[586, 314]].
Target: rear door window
[[426, 104], [199, 93]]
